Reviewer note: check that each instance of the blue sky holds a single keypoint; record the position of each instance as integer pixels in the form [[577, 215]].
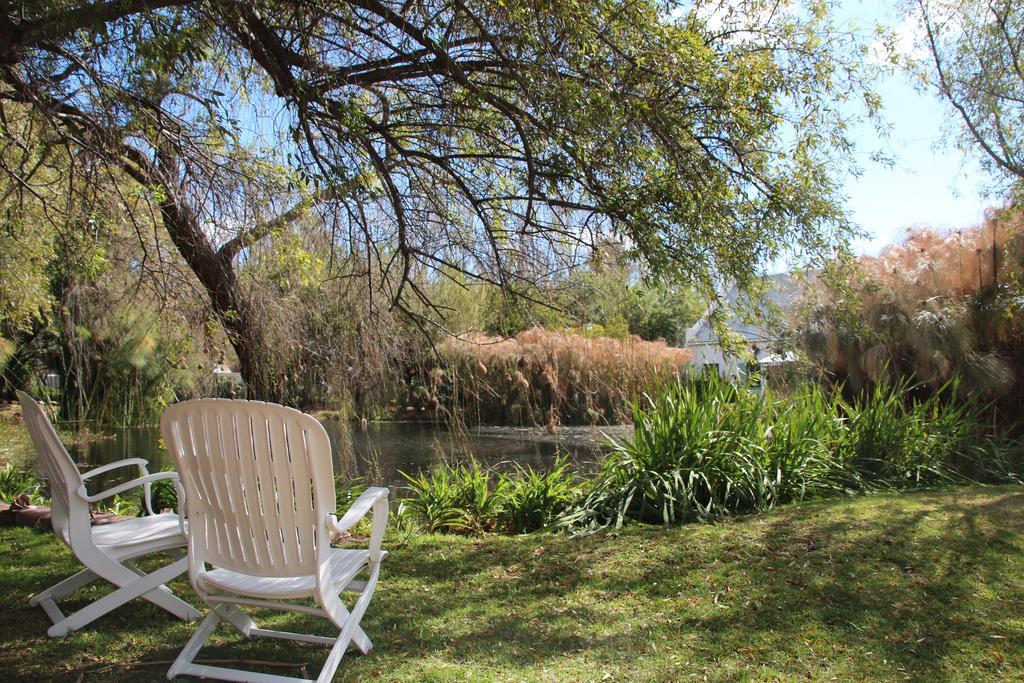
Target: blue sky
[[931, 183]]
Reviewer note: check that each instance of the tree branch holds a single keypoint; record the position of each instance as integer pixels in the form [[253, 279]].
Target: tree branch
[[60, 25]]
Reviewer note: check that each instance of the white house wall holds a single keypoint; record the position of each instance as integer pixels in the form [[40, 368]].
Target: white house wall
[[702, 341]]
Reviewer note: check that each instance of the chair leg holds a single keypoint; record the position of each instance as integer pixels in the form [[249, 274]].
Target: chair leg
[[334, 609], [350, 630], [68, 585], [183, 661], [137, 588], [239, 619], [347, 635], [163, 597], [185, 664], [361, 640], [333, 659]]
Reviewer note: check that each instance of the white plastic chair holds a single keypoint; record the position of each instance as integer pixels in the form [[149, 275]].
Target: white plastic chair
[[107, 551], [260, 503]]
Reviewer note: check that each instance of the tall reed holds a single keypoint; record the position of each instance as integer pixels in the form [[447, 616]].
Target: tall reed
[[541, 377], [935, 307]]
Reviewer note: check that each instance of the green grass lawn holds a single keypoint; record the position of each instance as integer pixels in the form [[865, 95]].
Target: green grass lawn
[[926, 586]]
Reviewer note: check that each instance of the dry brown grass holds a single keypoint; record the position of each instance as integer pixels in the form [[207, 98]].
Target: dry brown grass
[[955, 264], [937, 306], [551, 378]]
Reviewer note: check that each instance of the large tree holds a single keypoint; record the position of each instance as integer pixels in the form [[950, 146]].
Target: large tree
[[489, 139]]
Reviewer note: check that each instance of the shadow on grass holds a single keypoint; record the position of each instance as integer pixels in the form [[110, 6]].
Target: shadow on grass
[[928, 592], [926, 586]]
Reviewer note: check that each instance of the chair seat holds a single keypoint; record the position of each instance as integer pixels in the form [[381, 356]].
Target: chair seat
[[344, 566], [139, 534]]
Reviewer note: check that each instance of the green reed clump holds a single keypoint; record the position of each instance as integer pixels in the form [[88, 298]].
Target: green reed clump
[[433, 499], [463, 498], [472, 498], [892, 442], [700, 452], [162, 494], [535, 498], [122, 505]]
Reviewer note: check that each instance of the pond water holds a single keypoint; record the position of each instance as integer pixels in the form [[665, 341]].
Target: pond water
[[378, 454]]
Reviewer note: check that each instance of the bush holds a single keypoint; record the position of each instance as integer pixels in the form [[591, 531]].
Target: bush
[[127, 506], [163, 494], [937, 307], [535, 498], [474, 499], [703, 452], [890, 442], [17, 481], [463, 498]]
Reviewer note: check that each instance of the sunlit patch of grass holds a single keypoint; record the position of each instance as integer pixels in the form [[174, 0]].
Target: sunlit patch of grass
[[923, 586], [15, 445]]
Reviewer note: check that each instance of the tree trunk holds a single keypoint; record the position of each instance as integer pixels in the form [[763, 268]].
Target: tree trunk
[[236, 312], [256, 360]]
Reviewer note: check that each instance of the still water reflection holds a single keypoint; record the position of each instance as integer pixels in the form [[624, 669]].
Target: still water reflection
[[379, 453]]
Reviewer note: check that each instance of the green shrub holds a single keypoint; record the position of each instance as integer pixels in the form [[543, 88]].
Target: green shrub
[[800, 434], [463, 498], [163, 494], [480, 497], [127, 506], [472, 498], [896, 440], [535, 498], [16, 481], [433, 499], [694, 455]]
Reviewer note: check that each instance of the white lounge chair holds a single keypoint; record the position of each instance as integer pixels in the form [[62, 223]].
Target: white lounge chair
[[107, 551], [260, 504]]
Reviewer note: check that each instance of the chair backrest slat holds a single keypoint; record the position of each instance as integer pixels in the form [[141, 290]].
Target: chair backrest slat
[[228, 488], [258, 481], [215, 487], [266, 485], [245, 435]]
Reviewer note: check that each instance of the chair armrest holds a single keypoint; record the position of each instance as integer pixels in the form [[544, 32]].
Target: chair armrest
[[115, 465], [180, 490], [141, 462], [375, 498], [113, 491]]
